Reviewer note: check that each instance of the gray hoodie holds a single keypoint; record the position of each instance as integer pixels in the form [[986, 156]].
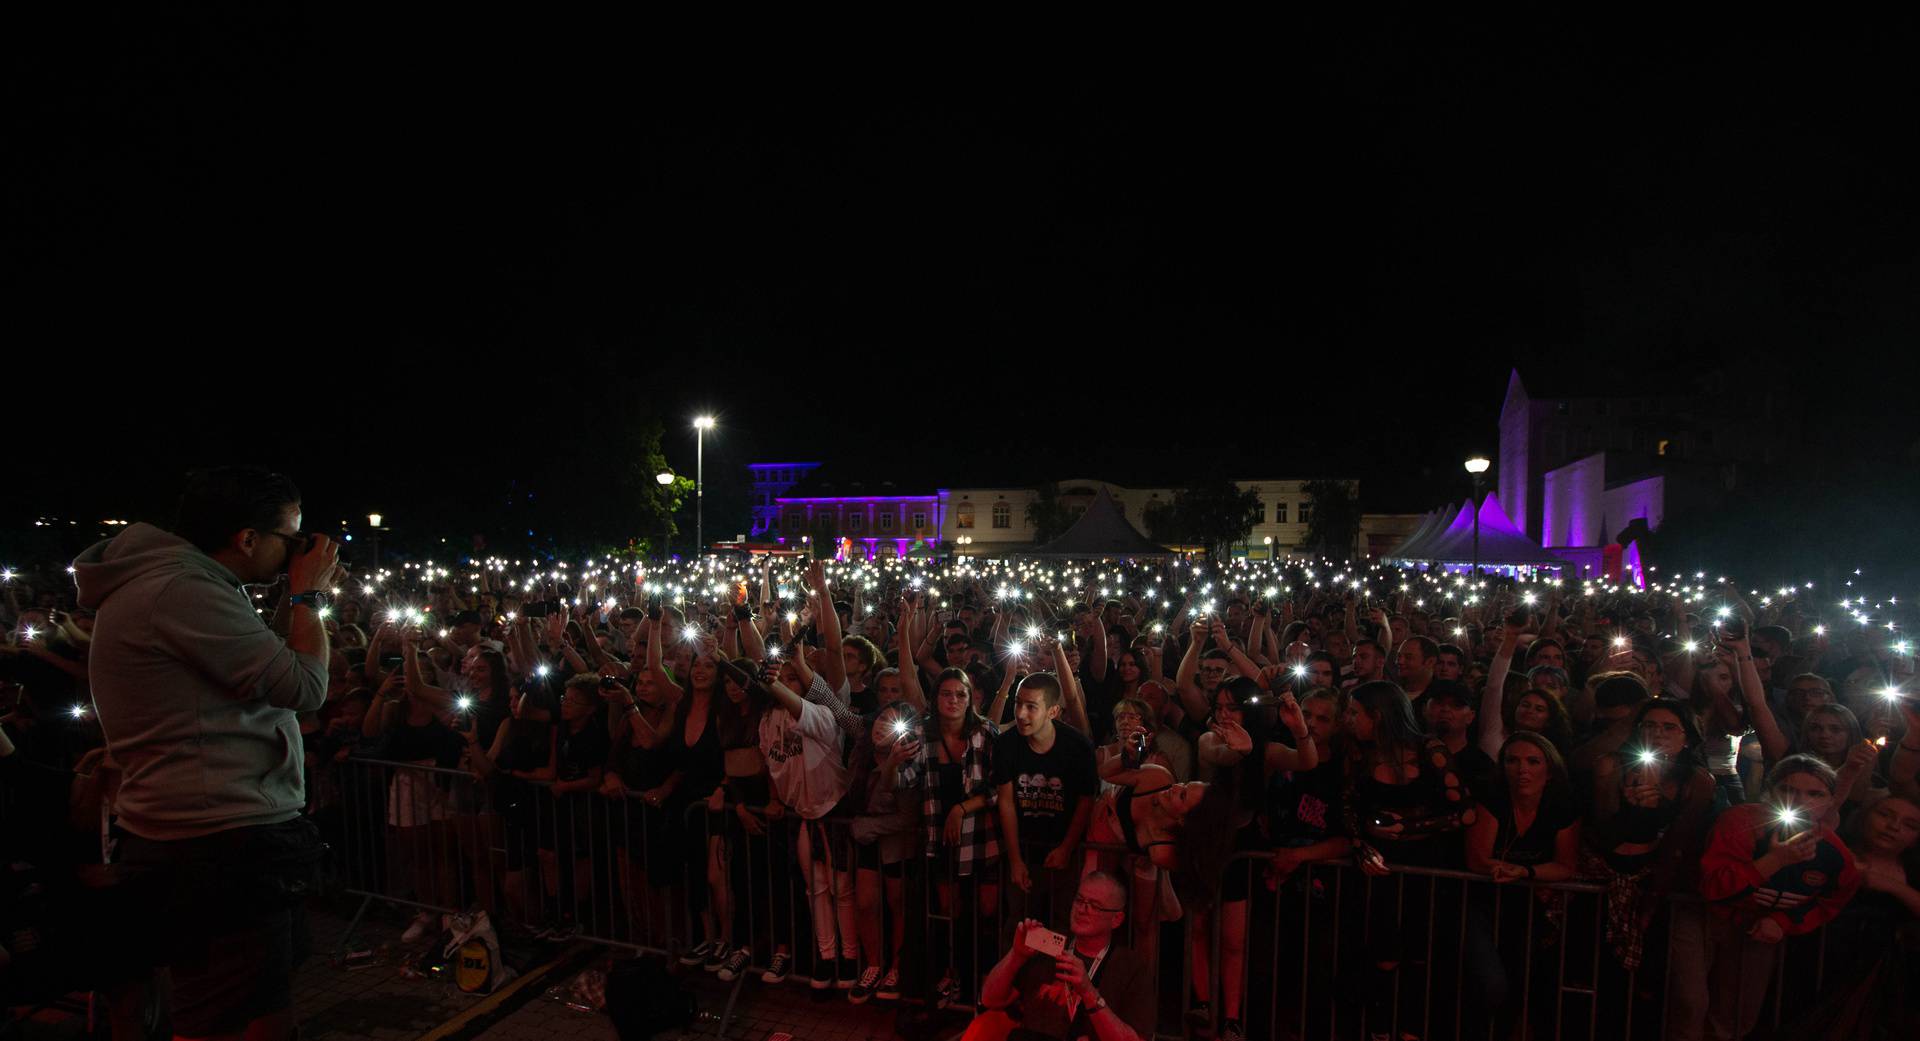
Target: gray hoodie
[[196, 695]]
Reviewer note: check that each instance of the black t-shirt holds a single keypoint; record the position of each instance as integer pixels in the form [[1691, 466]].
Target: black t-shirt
[[1475, 769], [1306, 806], [1538, 844], [580, 751], [1101, 694], [1046, 788]]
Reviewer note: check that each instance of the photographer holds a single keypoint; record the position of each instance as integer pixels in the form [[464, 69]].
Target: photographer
[[198, 699], [1091, 989]]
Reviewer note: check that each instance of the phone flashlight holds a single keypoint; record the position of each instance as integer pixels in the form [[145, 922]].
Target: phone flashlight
[[1649, 757], [78, 711], [542, 671], [463, 703], [900, 727]]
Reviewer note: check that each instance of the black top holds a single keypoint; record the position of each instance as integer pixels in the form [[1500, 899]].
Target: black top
[[1046, 788], [1536, 844]]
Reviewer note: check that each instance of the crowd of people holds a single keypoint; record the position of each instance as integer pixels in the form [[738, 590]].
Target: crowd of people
[[1088, 746]]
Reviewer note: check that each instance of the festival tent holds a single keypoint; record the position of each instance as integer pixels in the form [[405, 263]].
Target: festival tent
[[1429, 528], [1501, 544], [1102, 531]]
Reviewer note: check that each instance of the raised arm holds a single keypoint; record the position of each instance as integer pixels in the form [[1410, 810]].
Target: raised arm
[[909, 671], [1773, 743], [1073, 698], [833, 668], [1493, 698], [1191, 699]]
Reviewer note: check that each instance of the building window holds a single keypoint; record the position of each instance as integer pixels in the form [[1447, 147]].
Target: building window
[[1002, 515], [1306, 513], [886, 522], [919, 520], [963, 517], [1279, 513], [855, 522], [796, 520]]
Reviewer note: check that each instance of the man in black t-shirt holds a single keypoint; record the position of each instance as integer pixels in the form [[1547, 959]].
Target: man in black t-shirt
[[1047, 780]]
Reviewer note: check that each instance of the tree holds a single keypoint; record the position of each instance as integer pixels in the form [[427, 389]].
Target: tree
[[1214, 514], [1335, 525], [1045, 515]]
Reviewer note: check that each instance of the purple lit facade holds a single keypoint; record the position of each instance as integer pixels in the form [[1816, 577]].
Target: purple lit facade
[[770, 481], [873, 525], [1577, 469]]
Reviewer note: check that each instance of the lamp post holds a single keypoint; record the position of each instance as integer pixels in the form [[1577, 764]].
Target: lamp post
[[1477, 466], [1267, 541], [964, 542], [665, 477], [373, 536], [701, 424]]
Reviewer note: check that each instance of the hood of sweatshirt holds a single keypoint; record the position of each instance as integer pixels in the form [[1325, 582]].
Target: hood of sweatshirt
[[135, 553]]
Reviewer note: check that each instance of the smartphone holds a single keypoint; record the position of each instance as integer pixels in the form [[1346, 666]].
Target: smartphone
[[1046, 941], [1734, 628], [389, 662]]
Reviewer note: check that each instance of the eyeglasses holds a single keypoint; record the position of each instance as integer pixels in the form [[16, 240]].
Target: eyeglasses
[[1080, 902], [298, 541]]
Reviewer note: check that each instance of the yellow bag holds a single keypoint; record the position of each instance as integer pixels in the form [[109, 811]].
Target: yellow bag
[[474, 970]]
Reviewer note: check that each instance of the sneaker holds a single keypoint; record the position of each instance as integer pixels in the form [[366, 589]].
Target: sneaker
[[418, 928], [889, 986], [735, 964], [822, 972], [778, 969], [1230, 1031], [716, 957], [698, 953], [948, 991], [864, 987], [849, 969]]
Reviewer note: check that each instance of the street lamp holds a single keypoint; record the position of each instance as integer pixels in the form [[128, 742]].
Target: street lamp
[[964, 542], [1267, 541], [1477, 466], [701, 424], [665, 477], [373, 521]]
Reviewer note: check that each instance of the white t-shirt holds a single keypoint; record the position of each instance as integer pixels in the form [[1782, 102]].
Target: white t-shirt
[[804, 760]]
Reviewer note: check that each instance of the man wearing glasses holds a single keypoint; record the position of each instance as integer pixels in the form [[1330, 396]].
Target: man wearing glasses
[[198, 696], [1093, 989]]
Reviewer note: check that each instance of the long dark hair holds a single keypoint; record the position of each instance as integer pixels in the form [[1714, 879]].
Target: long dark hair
[[1559, 728], [1559, 790], [737, 723], [968, 724], [1396, 731]]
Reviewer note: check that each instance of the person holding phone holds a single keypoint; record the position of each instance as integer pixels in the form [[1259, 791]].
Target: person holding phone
[[1771, 870], [1080, 984]]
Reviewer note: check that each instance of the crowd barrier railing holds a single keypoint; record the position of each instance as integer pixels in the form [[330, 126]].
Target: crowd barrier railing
[[1326, 952], [1331, 952]]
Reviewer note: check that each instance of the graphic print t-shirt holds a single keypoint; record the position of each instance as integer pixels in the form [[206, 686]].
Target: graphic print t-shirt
[[1046, 788]]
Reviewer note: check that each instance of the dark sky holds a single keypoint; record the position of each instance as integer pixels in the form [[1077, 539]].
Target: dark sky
[[389, 256]]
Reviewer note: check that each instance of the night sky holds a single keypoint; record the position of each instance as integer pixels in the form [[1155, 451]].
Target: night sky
[[408, 263]]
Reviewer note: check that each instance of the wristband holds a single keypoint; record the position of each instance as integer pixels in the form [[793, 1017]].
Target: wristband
[[313, 598]]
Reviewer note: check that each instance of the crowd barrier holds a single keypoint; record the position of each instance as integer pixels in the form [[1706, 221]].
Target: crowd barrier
[[1327, 952]]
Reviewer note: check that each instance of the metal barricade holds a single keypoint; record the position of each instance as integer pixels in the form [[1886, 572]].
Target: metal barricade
[[1330, 952]]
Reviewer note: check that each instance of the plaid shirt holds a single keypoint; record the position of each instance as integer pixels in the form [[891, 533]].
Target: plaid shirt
[[979, 843]]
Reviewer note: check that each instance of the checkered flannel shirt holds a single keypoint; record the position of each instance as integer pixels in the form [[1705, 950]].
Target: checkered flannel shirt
[[979, 842]]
